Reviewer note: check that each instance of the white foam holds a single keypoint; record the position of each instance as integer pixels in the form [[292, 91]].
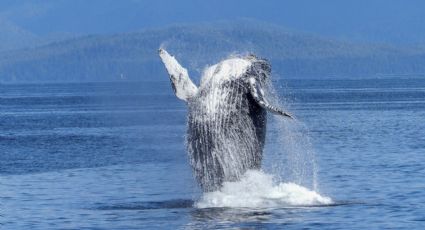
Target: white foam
[[257, 189]]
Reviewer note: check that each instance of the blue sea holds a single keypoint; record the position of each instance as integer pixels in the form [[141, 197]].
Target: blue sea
[[112, 156]]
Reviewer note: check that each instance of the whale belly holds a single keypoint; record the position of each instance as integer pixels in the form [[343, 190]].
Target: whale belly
[[226, 132]]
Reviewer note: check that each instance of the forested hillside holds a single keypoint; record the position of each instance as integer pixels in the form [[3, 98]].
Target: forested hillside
[[133, 56]]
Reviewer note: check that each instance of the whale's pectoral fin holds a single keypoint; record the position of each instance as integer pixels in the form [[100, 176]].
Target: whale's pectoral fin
[[182, 85], [258, 94]]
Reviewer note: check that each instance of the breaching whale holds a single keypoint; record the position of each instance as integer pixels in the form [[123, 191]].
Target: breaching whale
[[226, 125]]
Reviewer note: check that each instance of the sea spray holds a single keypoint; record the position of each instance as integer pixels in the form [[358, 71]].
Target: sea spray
[[289, 154], [257, 189]]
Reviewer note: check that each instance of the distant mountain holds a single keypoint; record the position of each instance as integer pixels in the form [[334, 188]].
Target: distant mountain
[[13, 37], [133, 56], [395, 21]]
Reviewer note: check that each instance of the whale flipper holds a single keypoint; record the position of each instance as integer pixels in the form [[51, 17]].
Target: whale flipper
[[258, 94], [182, 85]]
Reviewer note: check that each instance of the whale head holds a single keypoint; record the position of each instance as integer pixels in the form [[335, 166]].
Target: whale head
[[237, 68]]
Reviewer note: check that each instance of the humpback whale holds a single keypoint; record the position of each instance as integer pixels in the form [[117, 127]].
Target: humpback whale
[[227, 116]]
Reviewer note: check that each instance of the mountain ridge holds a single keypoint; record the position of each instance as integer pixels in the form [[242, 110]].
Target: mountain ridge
[[132, 56]]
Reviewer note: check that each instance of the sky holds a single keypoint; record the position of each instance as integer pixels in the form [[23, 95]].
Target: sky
[[387, 21]]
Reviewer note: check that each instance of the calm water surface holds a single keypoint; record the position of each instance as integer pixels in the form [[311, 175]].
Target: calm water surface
[[112, 156]]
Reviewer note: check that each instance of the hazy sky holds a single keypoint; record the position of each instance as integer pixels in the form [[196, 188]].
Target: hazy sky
[[397, 21]]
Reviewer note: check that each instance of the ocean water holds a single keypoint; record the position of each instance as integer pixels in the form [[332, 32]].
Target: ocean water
[[112, 156]]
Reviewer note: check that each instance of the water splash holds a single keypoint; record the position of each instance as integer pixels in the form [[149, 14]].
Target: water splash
[[257, 189], [289, 152]]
